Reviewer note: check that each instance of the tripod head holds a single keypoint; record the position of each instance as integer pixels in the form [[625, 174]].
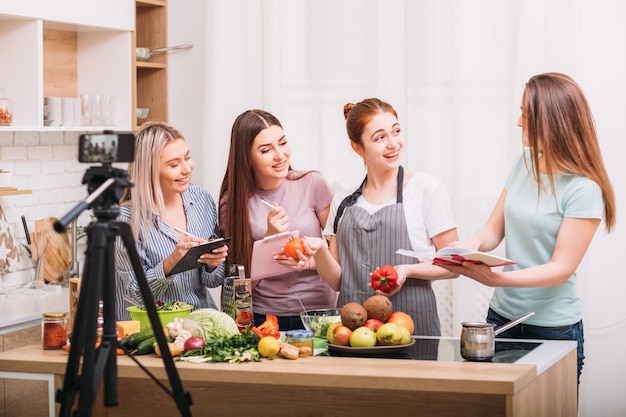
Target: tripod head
[[105, 206], [106, 186]]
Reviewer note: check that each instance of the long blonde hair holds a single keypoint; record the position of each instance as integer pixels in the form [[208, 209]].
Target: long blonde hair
[[561, 130], [146, 194]]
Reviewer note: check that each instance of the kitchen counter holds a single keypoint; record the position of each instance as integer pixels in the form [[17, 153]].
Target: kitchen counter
[[21, 310], [339, 386]]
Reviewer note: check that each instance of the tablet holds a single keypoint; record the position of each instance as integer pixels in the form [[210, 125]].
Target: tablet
[[190, 260], [263, 264]]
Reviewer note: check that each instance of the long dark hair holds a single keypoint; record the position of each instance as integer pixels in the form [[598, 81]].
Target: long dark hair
[[239, 182]]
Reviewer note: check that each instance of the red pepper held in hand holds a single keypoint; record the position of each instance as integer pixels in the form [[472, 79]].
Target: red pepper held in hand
[[268, 328], [385, 279]]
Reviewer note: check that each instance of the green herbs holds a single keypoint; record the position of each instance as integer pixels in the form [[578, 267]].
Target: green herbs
[[173, 306], [239, 348]]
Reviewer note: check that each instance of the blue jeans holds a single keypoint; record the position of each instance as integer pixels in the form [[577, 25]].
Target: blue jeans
[[526, 331]]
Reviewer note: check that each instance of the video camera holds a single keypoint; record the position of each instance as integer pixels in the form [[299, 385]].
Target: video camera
[[106, 147]]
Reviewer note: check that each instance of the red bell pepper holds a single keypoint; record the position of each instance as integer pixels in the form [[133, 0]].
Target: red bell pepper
[[268, 328], [385, 278]]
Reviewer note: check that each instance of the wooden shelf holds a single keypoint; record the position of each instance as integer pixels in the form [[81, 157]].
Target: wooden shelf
[[150, 77], [13, 191]]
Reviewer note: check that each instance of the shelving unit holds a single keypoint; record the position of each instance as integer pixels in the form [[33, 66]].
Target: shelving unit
[[63, 48], [13, 191], [150, 77]]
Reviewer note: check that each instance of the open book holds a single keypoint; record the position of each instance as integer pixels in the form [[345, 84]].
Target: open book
[[454, 256]]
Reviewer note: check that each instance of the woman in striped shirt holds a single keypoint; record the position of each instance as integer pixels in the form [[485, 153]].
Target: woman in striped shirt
[[161, 201]]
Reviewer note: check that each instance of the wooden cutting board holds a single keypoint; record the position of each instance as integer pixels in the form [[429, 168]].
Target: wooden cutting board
[[57, 251]]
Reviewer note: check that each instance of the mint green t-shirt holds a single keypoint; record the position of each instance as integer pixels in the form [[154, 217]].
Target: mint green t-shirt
[[531, 227]]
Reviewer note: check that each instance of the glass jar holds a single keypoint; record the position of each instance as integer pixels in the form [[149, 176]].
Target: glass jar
[[53, 330], [301, 339], [6, 109]]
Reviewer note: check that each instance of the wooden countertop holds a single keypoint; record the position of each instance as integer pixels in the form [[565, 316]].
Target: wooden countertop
[[316, 371]]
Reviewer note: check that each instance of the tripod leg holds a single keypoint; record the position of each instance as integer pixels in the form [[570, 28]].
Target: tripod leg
[[182, 398], [83, 336], [109, 334]]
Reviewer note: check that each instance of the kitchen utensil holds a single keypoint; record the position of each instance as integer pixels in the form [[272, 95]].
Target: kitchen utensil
[[142, 115], [57, 250], [301, 304], [144, 54], [478, 338], [41, 244], [131, 300]]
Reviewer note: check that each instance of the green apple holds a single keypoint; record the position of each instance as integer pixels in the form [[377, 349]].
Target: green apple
[[363, 337], [406, 336], [389, 334]]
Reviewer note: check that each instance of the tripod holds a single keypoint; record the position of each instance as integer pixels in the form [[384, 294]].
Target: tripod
[[99, 281]]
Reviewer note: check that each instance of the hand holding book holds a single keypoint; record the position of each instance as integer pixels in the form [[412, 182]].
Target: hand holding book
[[455, 256]]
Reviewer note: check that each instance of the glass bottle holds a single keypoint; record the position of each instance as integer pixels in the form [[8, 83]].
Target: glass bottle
[[53, 330], [6, 109]]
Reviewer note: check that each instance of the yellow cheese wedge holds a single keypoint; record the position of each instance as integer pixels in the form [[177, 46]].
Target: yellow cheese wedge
[[126, 328]]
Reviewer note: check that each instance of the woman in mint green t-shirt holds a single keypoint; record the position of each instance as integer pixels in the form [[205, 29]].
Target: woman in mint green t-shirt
[[554, 199]]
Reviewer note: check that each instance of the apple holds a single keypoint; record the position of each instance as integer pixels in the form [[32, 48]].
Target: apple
[[389, 334], [403, 319], [406, 336], [331, 327], [373, 324], [363, 337], [340, 335]]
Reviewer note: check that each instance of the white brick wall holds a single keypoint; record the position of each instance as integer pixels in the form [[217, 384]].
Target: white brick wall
[[46, 163]]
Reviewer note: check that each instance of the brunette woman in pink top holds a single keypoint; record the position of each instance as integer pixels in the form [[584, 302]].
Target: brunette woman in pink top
[[259, 169]]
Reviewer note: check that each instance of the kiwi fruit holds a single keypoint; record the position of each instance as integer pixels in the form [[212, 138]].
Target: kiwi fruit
[[378, 307], [353, 315]]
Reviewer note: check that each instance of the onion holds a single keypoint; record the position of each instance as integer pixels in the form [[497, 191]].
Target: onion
[[193, 342]]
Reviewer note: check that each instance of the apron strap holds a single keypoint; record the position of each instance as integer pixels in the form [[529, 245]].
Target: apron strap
[[400, 184], [347, 202], [352, 198]]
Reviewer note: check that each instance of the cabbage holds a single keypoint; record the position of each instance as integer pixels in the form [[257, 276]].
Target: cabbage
[[208, 322]]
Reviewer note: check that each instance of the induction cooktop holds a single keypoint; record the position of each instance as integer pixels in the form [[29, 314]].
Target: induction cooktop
[[449, 349], [507, 351]]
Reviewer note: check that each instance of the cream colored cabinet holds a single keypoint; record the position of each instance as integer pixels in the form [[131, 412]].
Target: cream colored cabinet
[[62, 48], [21, 397]]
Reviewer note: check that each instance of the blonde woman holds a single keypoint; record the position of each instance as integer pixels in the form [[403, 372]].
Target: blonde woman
[[162, 201]]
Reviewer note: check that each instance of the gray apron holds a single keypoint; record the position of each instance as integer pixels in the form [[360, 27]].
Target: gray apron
[[366, 241]]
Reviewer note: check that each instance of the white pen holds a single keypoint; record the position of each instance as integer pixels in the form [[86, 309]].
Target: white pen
[[178, 229], [267, 203]]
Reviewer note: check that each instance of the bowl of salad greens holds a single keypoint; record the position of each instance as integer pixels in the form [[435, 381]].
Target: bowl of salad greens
[[167, 313], [318, 321]]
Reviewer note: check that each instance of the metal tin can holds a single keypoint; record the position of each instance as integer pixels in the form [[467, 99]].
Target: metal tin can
[[53, 330], [301, 339]]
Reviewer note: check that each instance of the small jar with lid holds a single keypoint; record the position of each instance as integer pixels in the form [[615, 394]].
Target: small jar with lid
[[301, 339], [6, 109], [53, 330]]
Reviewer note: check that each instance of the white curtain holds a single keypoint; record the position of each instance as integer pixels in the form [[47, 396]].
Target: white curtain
[[454, 70]]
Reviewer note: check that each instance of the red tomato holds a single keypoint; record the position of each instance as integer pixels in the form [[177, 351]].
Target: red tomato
[[292, 246]]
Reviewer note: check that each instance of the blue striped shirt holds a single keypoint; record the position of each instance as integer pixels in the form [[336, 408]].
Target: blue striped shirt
[[158, 243]]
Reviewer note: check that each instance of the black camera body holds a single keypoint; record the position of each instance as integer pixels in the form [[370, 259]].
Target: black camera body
[[106, 147]]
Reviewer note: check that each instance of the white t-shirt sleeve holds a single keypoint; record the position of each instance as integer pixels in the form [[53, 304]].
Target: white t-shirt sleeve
[[428, 212]]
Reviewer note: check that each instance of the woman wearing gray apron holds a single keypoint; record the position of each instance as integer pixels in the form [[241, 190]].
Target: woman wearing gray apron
[[391, 210]]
